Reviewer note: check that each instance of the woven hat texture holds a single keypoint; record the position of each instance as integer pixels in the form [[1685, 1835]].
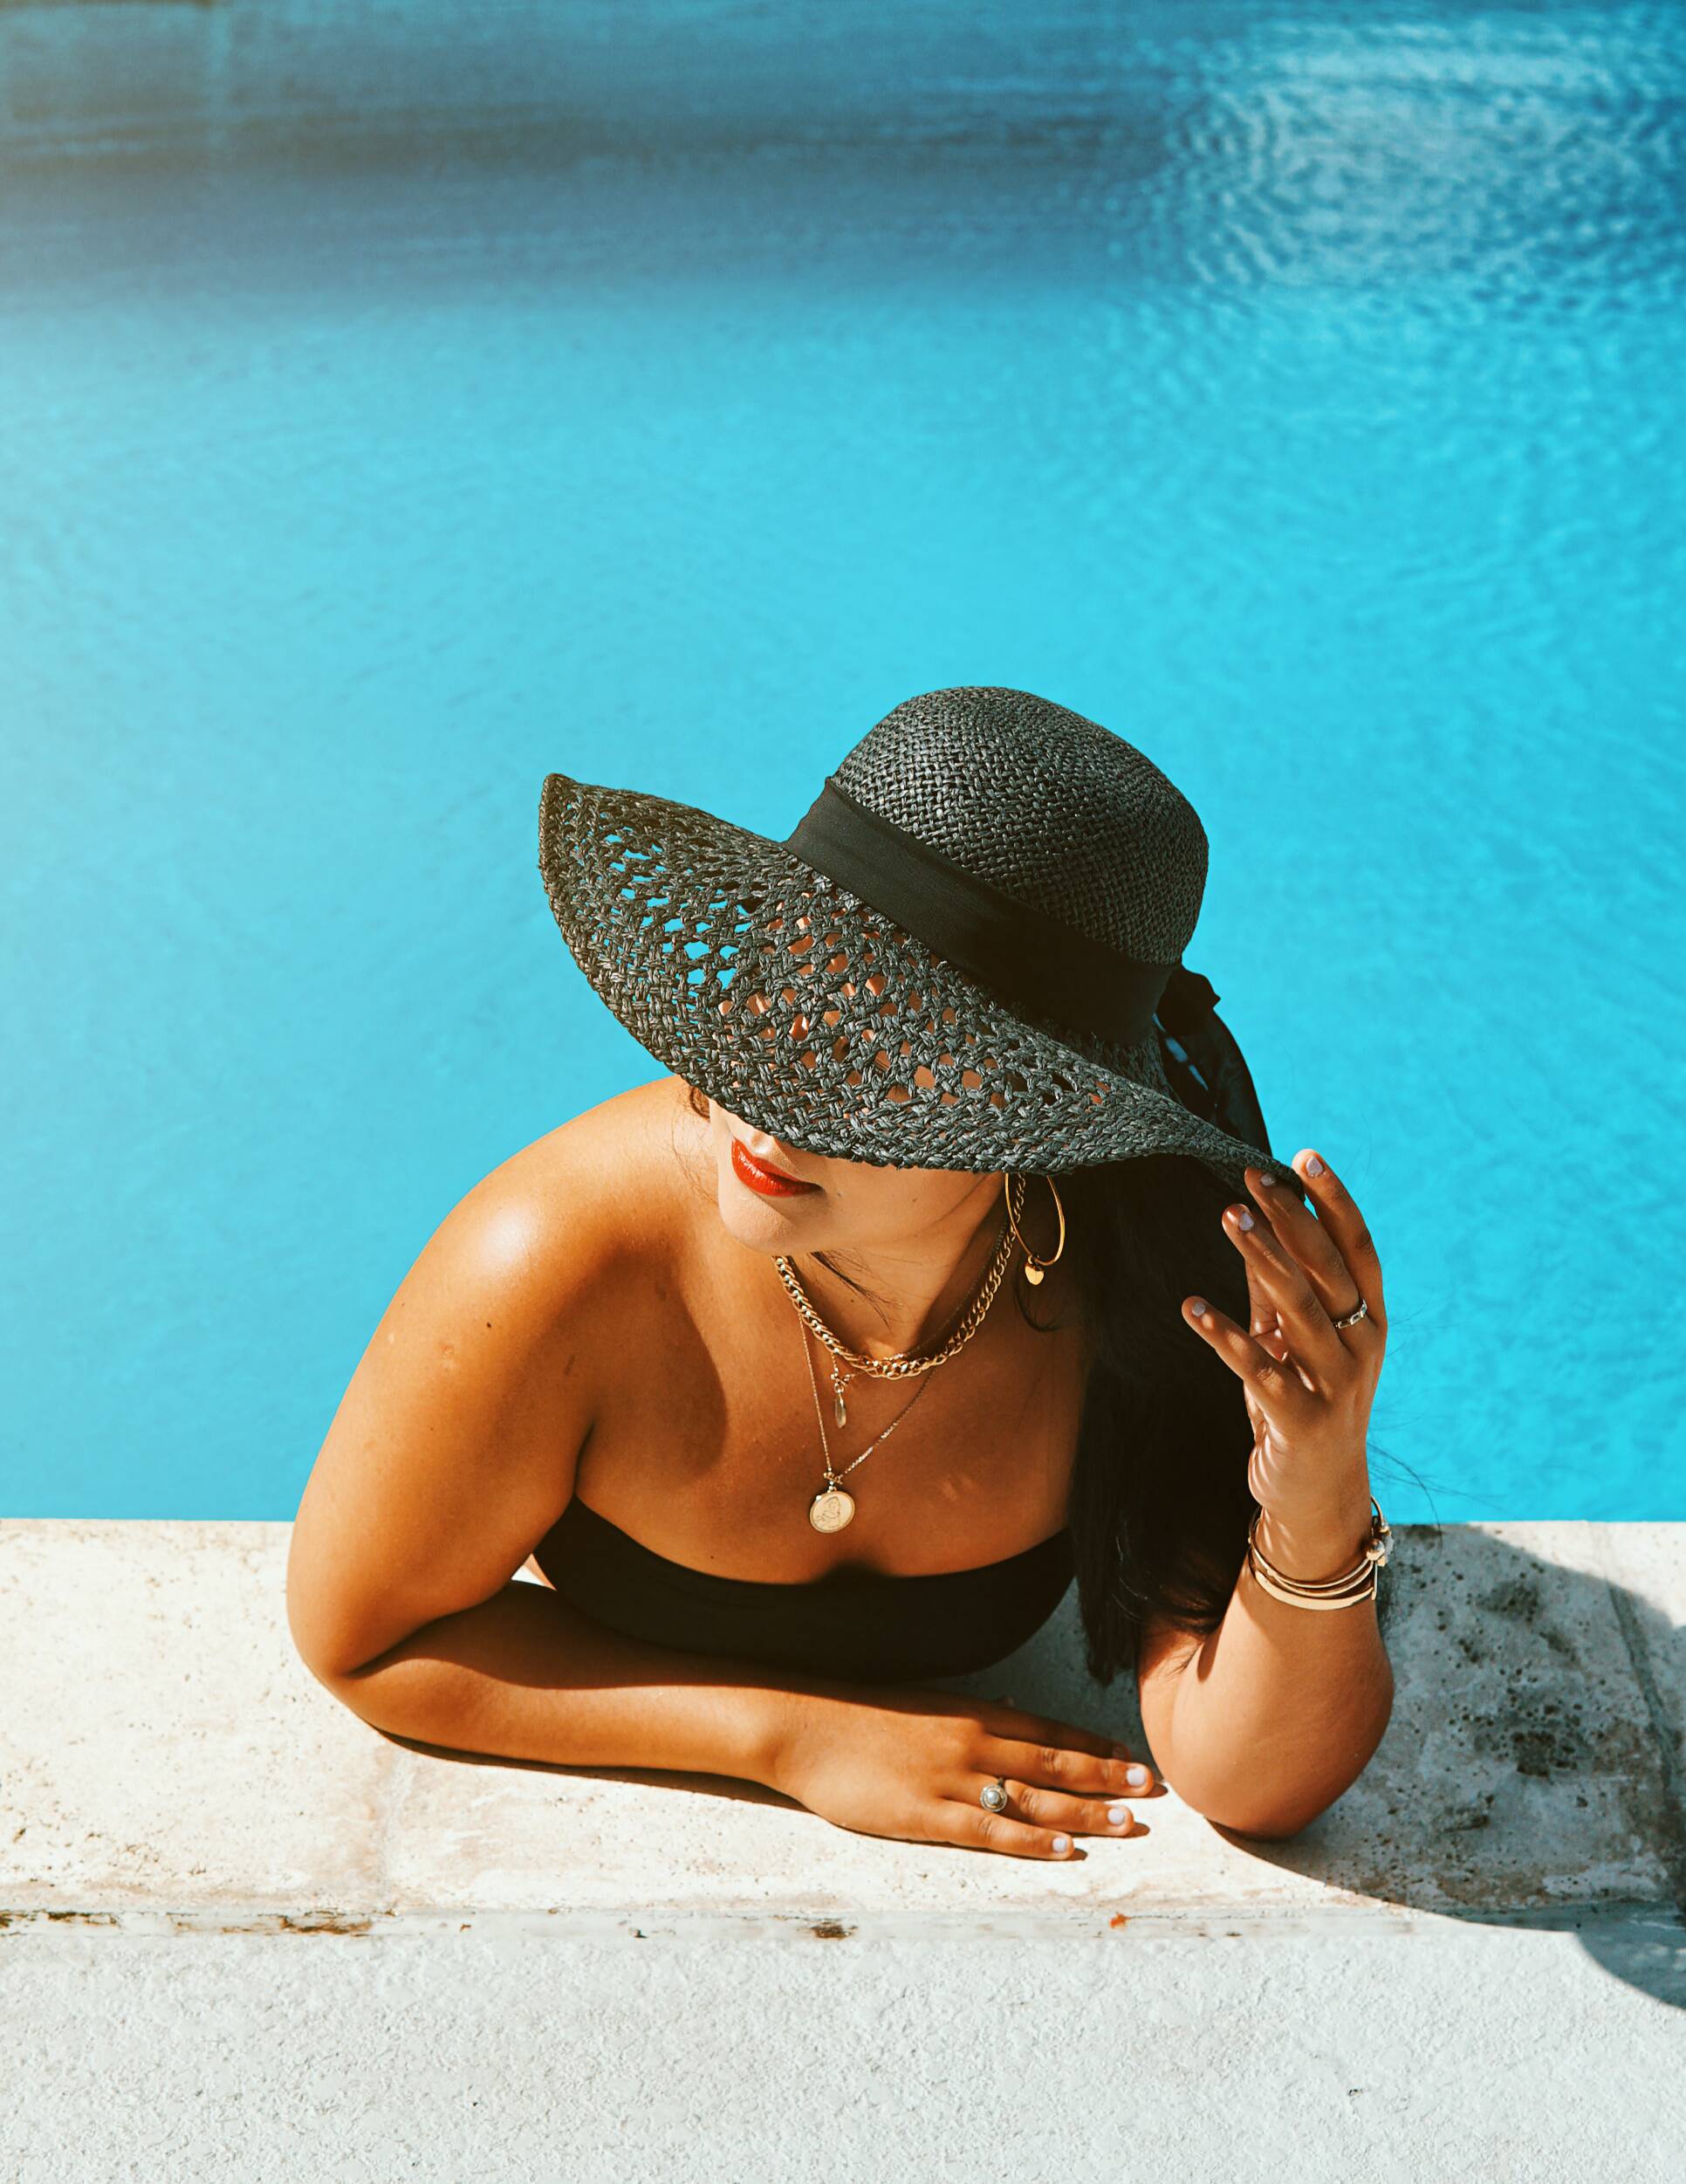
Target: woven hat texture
[[803, 1011]]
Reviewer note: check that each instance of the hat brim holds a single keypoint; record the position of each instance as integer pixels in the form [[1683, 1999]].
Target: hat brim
[[805, 1012]]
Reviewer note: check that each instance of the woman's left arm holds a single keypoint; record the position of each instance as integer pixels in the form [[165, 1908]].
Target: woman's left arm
[[1265, 1725]]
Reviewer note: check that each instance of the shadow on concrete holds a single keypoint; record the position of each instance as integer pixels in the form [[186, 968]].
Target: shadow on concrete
[[1531, 1773]]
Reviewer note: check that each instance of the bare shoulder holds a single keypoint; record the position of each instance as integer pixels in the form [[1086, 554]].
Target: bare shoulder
[[605, 1197], [454, 1444], [543, 1252], [552, 1228]]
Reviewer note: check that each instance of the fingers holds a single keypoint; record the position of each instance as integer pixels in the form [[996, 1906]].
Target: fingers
[[1270, 1381], [1053, 1809], [1016, 1725], [1054, 1794], [1062, 1781], [1055, 1765], [1048, 1808], [1339, 1214], [1278, 1276], [974, 1828], [1304, 1268], [1049, 1825], [1305, 1253]]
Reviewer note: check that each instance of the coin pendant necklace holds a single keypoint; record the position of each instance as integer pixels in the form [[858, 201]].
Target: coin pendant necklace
[[832, 1507]]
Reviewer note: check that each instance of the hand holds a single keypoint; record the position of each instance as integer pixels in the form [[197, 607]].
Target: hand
[[1308, 1384], [909, 1764]]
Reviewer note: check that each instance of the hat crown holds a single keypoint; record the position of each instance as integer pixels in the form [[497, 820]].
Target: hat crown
[[1045, 804]]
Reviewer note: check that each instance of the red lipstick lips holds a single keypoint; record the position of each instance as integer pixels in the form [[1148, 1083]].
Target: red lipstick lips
[[771, 1183]]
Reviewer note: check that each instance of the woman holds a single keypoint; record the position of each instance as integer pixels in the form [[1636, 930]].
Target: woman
[[727, 1362]]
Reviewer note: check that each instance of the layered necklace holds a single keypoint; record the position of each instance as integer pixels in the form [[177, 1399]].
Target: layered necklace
[[831, 1507]]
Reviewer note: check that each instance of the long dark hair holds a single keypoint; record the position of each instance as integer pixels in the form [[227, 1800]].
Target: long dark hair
[[1159, 1504]]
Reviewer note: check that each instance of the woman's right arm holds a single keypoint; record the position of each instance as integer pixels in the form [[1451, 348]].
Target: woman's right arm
[[523, 1675]]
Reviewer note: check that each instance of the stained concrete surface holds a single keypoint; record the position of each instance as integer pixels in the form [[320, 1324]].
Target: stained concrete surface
[[243, 1933]]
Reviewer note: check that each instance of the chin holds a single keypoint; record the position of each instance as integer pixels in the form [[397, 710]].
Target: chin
[[767, 1225], [754, 1230]]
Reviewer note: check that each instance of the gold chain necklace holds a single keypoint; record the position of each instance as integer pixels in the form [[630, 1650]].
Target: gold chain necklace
[[907, 1362]]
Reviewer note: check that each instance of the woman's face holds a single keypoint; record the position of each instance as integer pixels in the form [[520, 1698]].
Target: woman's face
[[845, 1203]]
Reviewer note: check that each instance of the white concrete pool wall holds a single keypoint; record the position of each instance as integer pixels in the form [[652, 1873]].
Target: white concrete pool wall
[[172, 1772], [168, 1756]]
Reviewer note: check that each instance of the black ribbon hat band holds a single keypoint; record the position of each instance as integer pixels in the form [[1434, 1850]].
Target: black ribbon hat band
[[1033, 961]]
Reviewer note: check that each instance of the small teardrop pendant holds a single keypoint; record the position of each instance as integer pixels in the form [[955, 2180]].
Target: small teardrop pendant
[[841, 1409]]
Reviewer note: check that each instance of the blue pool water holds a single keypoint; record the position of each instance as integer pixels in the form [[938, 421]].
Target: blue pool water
[[401, 402]]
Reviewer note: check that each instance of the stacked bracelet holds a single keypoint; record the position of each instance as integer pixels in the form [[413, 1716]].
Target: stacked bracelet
[[1344, 1591]]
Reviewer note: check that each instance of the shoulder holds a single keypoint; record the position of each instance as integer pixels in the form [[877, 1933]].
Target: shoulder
[[454, 1444], [543, 1257], [607, 1193]]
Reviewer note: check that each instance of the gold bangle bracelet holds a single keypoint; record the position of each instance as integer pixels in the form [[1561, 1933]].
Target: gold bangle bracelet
[[1366, 1590], [1344, 1590]]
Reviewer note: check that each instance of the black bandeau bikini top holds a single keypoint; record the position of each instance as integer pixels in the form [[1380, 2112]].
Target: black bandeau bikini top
[[853, 1623]]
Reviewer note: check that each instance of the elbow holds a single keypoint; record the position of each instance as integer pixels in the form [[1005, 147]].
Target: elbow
[[347, 1686], [1281, 1818], [331, 1678], [336, 1673], [1276, 1828], [1257, 1820], [308, 1650], [1278, 1823], [333, 1640]]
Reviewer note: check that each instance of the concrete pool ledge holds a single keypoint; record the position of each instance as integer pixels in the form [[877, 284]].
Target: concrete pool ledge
[[169, 1764]]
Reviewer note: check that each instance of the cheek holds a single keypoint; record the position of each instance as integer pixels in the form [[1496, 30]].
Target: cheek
[[887, 1205]]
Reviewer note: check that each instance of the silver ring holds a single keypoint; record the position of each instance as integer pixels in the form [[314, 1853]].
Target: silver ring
[[993, 1795], [1351, 1318]]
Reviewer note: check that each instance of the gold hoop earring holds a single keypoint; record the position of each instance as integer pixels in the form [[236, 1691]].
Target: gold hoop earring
[[1035, 1268]]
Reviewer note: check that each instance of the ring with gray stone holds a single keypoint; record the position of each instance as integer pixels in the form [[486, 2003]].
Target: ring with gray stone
[[994, 1795]]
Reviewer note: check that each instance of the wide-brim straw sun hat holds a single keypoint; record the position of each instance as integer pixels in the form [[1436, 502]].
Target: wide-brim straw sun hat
[[967, 954]]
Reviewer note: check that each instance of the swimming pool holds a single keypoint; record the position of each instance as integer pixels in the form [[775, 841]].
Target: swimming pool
[[401, 403]]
